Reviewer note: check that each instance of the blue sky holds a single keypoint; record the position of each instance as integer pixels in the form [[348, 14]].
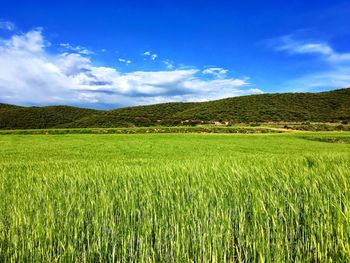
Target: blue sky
[[108, 54]]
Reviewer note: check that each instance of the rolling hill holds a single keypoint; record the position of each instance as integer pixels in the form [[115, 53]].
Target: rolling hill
[[331, 106]]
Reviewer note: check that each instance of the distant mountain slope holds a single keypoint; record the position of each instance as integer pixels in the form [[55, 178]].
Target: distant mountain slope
[[329, 106], [325, 106], [14, 117]]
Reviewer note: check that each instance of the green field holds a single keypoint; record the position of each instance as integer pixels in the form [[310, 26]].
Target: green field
[[175, 197]]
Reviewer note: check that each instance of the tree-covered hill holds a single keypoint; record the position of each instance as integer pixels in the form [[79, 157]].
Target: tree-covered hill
[[14, 117], [332, 106]]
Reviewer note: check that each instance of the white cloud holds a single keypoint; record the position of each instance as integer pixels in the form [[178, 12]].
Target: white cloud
[[335, 78], [30, 75], [77, 49], [289, 44], [123, 60], [337, 65], [31, 42], [339, 57], [151, 55], [7, 25], [217, 72], [169, 64]]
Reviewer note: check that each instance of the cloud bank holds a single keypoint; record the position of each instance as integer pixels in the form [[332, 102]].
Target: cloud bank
[[30, 75]]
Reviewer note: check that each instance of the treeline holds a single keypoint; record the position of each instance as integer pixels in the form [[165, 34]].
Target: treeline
[[332, 106]]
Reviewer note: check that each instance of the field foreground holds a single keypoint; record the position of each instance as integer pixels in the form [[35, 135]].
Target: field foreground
[[175, 197]]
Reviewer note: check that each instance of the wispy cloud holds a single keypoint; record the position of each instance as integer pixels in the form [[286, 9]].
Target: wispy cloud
[[217, 72], [150, 55], [125, 61], [168, 64], [291, 45], [329, 79], [30, 75], [77, 49], [154, 56], [7, 25], [337, 64]]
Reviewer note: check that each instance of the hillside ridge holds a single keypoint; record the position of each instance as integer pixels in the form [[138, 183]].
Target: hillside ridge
[[328, 106]]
